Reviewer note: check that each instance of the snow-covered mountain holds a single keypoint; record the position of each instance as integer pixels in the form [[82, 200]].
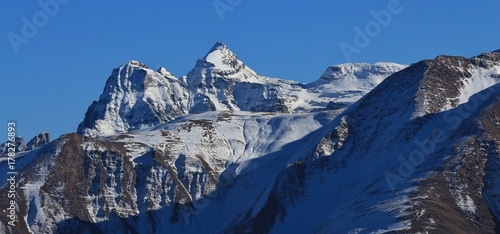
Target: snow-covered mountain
[[418, 153], [342, 85], [220, 81], [136, 97]]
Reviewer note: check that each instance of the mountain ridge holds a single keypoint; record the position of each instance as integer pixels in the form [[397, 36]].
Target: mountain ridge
[[220, 81]]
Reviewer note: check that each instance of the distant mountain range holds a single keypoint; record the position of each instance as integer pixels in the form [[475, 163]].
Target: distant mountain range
[[366, 148], [136, 97]]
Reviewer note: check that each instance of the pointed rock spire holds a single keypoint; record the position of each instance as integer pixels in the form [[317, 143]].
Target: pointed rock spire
[[38, 141], [218, 46]]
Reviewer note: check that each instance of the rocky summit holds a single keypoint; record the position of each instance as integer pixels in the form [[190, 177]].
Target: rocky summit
[[366, 148]]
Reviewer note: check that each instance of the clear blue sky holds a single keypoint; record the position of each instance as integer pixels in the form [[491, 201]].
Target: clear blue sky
[[54, 77]]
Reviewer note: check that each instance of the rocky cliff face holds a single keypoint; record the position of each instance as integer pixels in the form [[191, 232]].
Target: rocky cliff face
[[418, 153]]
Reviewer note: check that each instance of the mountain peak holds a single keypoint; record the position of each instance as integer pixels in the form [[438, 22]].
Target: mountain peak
[[340, 71], [224, 63], [218, 46], [135, 63], [219, 55], [165, 72], [356, 76]]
